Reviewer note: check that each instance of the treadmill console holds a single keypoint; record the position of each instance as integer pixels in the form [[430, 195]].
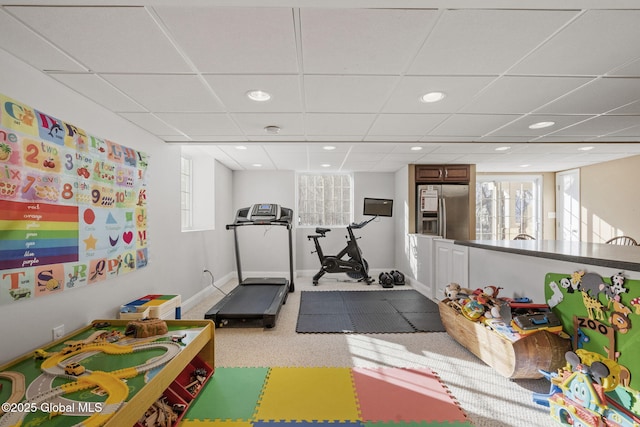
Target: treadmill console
[[264, 213]]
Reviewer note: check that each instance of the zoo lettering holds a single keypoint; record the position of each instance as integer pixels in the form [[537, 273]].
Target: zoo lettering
[[593, 325]]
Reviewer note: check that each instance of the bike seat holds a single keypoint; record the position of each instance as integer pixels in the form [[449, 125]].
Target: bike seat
[[322, 230]]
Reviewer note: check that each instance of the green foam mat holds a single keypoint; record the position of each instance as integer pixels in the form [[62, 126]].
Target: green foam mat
[[230, 394]]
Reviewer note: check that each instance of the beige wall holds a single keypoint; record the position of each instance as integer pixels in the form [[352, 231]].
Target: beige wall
[[610, 198]]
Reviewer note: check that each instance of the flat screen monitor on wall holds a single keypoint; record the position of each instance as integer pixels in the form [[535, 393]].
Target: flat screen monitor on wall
[[377, 207]]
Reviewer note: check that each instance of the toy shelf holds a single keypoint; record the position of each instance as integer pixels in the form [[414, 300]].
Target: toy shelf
[[184, 389], [512, 359], [169, 381]]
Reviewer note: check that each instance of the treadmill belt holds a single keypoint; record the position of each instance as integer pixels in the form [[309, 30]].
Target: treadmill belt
[[250, 304], [250, 299]]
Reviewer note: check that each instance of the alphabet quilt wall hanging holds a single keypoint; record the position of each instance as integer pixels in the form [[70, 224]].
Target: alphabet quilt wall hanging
[[72, 206]]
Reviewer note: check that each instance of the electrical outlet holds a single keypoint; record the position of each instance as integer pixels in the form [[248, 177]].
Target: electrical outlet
[[58, 332]]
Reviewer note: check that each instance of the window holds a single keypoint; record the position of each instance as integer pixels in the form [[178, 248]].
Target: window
[[507, 206], [197, 189], [325, 200], [186, 192]]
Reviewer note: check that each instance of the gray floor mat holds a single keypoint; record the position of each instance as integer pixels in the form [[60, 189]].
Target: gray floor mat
[[367, 312]]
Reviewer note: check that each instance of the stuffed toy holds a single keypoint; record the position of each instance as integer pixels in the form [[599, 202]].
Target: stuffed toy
[[454, 291]]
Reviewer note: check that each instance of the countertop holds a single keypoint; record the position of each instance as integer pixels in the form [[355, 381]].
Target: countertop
[[613, 256]]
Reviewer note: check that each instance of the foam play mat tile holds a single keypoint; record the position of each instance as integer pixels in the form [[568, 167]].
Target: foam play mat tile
[[308, 394], [403, 394], [214, 423], [230, 394], [307, 424]]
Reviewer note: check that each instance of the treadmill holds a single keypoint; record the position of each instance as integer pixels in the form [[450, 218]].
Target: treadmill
[[256, 301]]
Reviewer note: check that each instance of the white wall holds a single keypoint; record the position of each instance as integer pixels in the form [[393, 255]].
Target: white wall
[[405, 261], [377, 239], [175, 259], [249, 187]]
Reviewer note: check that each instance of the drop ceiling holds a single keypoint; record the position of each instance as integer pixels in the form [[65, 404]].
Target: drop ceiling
[[350, 74]]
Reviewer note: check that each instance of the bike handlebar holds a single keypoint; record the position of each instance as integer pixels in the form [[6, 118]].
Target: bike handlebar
[[361, 224]]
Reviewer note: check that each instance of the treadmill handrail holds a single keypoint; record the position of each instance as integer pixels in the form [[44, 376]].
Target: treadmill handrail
[[261, 222]]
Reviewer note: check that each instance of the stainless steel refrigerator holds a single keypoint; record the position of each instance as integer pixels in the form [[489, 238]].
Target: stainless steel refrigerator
[[443, 210]]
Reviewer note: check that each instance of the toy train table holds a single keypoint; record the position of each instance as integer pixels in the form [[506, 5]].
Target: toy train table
[[101, 376]]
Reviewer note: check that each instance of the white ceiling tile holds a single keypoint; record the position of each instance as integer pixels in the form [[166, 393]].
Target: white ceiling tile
[[518, 94], [293, 161], [106, 39], [167, 93], [337, 124], [33, 49], [196, 124], [254, 123], [599, 126], [595, 43], [596, 97], [373, 148], [152, 124], [459, 90], [471, 124], [485, 41], [628, 132], [181, 72], [361, 166], [95, 88], [504, 140], [520, 126], [277, 149], [346, 94], [232, 91], [441, 138], [350, 41], [275, 138], [437, 158], [397, 138], [628, 70], [234, 39], [406, 124]]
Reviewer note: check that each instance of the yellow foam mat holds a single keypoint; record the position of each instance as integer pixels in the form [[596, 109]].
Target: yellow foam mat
[[307, 394], [214, 423]]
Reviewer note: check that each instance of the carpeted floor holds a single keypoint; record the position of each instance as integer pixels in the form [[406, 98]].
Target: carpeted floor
[[488, 399]]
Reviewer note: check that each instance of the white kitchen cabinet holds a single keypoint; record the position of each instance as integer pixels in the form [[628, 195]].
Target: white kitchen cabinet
[[422, 263], [451, 264]]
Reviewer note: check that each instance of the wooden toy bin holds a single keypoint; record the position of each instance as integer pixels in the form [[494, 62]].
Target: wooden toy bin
[[516, 360]]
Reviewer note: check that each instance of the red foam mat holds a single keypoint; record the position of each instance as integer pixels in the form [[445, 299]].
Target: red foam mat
[[408, 394]]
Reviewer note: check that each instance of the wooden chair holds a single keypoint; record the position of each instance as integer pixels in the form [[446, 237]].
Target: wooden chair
[[622, 240], [524, 236]]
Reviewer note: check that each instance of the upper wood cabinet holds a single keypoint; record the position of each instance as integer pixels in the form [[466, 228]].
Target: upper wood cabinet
[[443, 173]]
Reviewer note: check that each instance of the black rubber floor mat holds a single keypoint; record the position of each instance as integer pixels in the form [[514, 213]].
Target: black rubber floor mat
[[394, 311], [425, 322], [322, 323]]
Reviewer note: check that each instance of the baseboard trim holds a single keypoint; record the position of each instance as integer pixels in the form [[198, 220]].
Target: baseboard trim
[[209, 290]]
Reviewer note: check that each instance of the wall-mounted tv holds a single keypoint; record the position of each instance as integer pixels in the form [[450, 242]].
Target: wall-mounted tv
[[377, 207]]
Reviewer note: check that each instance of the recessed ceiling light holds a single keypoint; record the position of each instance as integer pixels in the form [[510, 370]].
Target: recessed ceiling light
[[432, 97], [505, 148], [587, 148], [416, 148], [258, 95], [240, 147], [524, 166], [329, 147], [541, 125], [273, 130], [325, 165], [257, 165]]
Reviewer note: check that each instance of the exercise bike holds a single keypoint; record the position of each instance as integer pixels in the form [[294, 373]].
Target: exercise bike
[[349, 260]]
